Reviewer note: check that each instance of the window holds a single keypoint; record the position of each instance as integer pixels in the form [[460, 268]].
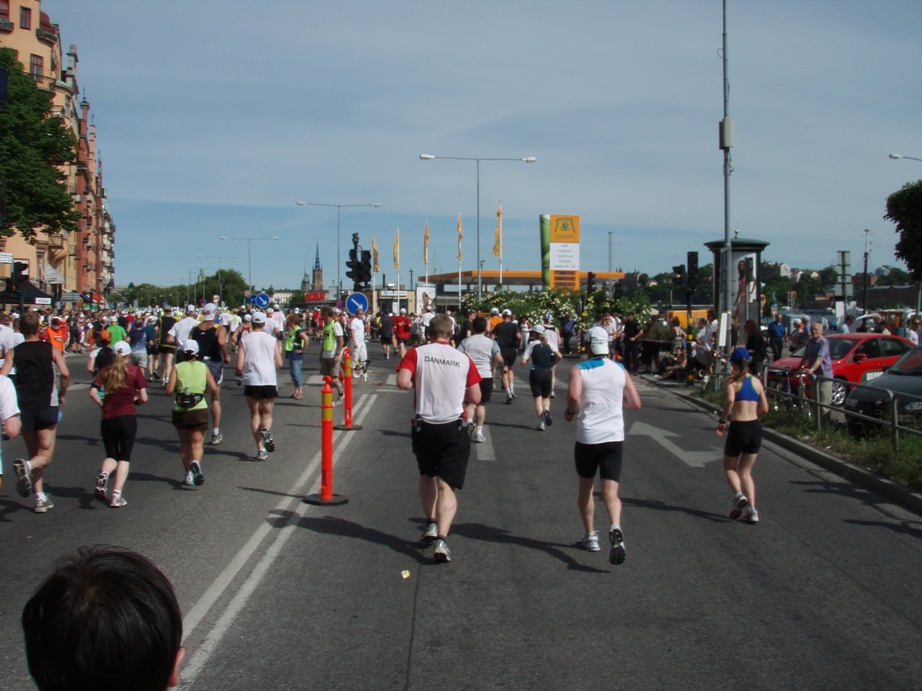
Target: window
[[25, 18], [5, 9], [36, 67]]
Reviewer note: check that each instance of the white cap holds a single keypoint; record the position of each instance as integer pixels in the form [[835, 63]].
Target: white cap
[[598, 340], [495, 310], [428, 308], [507, 313], [210, 310], [269, 309], [190, 346], [403, 310], [190, 308], [297, 310], [247, 317], [259, 317], [537, 329], [122, 348]]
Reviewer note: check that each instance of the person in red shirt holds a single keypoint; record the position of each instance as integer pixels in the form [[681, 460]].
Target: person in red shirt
[[123, 385], [402, 325]]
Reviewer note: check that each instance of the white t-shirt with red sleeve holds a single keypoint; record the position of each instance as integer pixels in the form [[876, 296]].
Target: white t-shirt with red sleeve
[[441, 375]]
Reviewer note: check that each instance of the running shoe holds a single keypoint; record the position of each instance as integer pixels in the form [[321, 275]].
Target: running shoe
[[216, 439], [42, 505], [509, 398], [268, 441], [737, 504], [262, 455], [750, 515], [616, 537], [441, 553], [478, 438], [198, 477], [430, 533], [590, 542], [188, 481], [540, 426], [102, 482], [23, 478], [512, 393], [553, 395], [470, 429], [547, 418], [117, 501]]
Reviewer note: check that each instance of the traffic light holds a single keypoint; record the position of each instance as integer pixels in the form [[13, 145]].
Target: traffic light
[[618, 292], [678, 275], [365, 269], [590, 282], [353, 265], [692, 278], [19, 275]]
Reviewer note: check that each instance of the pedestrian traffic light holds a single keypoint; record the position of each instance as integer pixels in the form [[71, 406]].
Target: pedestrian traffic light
[[353, 265], [678, 275], [618, 292], [590, 282], [20, 274], [692, 277], [365, 269]]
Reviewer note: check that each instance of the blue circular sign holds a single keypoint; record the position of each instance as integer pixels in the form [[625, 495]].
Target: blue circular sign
[[355, 302], [261, 300]]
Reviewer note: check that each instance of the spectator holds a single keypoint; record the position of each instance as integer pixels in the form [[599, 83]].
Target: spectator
[[776, 337]]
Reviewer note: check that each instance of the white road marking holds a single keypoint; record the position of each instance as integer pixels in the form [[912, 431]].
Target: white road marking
[[391, 380], [485, 450], [217, 588], [695, 459]]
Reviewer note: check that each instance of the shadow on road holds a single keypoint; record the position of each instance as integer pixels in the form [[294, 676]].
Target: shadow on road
[[662, 506], [330, 525]]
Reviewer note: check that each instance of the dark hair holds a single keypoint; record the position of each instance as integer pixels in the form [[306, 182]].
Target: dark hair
[[105, 619], [479, 325], [28, 324]]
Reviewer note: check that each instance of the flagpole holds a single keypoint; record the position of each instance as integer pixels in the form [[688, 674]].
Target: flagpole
[[427, 250], [500, 231]]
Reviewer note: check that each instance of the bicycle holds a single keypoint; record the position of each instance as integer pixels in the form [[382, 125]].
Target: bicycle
[[787, 397]]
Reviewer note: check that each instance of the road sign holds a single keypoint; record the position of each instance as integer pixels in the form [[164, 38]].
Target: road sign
[[261, 300], [6, 258], [246, 294], [355, 302]]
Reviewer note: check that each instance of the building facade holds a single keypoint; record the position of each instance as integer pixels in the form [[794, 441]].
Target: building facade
[[78, 265]]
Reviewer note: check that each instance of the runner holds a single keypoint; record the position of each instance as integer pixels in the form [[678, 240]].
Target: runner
[[165, 347], [745, 401], [212, 348], [150, 337], [125, 385], [331, 348], [137, 339], [180, 333], [484, 351], [386, 334], [553, 340], [445, 379], [296, 343], [600, 389], [541, 377], [102, 355], [402, 325], [39, 402], [257, 360], [508, 337], [10, 422], [359, 351], [188, 383]]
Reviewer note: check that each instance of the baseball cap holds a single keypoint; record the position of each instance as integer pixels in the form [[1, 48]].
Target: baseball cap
[[190, 308], [167, 308], [297, 310], [190, 346], [507, 313], [598, 340], [56, 321], [210, 310], [549, 317], [740, 354], [428, 308], [403, 310], [122, 348], [495, 310], [537, 329], [259, 317], [270, 309], [247, 317]]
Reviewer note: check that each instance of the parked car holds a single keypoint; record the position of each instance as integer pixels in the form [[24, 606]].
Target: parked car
[[856, 358], [903, 379]]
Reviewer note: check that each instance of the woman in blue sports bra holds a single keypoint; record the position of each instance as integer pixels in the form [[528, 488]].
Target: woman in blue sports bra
[[745, 401]]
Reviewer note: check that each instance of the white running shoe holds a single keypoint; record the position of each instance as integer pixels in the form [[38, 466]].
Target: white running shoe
[[540, 426], [441, 553], [478, 438], [750, 515], [590, 542], [616, 537], [737, 504]]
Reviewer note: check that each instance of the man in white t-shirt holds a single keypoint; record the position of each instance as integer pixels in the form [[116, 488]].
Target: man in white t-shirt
[[445, 380], [258, 358], [485, 353], [600, 390], [181, 330], [357, 339], [9, 414]]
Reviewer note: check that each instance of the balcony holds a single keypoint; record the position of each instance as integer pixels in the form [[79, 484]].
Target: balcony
[[45, 35], [6, 24]]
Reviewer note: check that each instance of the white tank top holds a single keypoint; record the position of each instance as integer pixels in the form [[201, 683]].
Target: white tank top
[[259, 359], [600, 418]]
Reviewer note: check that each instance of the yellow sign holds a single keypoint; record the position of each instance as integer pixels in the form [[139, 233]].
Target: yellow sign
[[564, 228]]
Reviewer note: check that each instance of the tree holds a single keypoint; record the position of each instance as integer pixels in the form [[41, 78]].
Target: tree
[[904, 208], [33, 144], [829, 276]]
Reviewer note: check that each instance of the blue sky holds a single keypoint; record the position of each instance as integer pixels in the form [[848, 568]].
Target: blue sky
[[214, 117]]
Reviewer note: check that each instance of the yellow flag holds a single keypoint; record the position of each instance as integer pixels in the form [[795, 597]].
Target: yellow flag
[[374, 254], [498, 243], [397, 250], [460, 235], [426, 244]]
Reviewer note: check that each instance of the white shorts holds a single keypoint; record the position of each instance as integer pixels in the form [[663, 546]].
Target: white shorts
[[359, 352]]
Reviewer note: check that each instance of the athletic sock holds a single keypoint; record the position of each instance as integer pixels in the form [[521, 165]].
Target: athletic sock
[[216, 432], [480, 429], [40, 496]]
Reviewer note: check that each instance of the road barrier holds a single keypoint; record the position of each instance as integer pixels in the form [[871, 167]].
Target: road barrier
[[326, 496], [347, 425]]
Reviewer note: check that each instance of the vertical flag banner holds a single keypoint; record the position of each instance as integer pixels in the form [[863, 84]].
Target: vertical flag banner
[[426, 244], [498, 243], [397, 250], [460, 235], [374, 250], [560, 251]]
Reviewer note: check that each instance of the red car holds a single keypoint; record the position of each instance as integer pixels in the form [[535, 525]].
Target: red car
[[856, 358]]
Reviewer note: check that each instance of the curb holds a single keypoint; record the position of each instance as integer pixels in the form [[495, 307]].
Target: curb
[[902, 495]]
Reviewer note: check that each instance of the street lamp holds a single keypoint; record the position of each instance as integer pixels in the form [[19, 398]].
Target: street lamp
[[220, 284], [339, 207], [899, 156], [430, 157], [249, 242]]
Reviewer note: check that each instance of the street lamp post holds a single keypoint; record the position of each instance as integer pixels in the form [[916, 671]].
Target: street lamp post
[[220, 283], [899, 156], [430, 157], [249, 242], [339, 207]]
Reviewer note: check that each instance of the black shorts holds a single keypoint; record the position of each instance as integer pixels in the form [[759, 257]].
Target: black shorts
[[604, 458], [743, 437], [36, 419], [540, 381], [153, 349], [509, 356], [217, 370], [402, 340], [191, 419], [118, 434], [442, 451], [387, 338], [486, 390], [261, 393]]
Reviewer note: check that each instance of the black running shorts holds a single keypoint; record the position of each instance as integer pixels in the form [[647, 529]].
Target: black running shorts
[[540, 381], [118, 434], [442, 451], [743, 437], [604, 458], [486, 390]]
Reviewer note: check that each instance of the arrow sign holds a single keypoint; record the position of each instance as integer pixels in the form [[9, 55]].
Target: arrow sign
[[355, 302], [695, 459]]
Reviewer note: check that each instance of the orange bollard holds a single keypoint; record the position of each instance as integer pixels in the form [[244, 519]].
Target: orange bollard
[[347, 425], [326, 496]]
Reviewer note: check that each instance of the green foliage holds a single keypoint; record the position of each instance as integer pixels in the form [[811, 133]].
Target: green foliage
[[904, 208], [896, 277], [34, 143]]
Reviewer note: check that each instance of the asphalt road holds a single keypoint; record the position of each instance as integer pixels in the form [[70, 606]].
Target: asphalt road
[[278, 594]]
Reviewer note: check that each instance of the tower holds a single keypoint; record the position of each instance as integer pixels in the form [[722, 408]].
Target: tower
[[317, 283]]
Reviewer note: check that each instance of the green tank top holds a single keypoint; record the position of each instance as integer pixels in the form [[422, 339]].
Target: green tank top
[[193, 374], [329, 340]]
